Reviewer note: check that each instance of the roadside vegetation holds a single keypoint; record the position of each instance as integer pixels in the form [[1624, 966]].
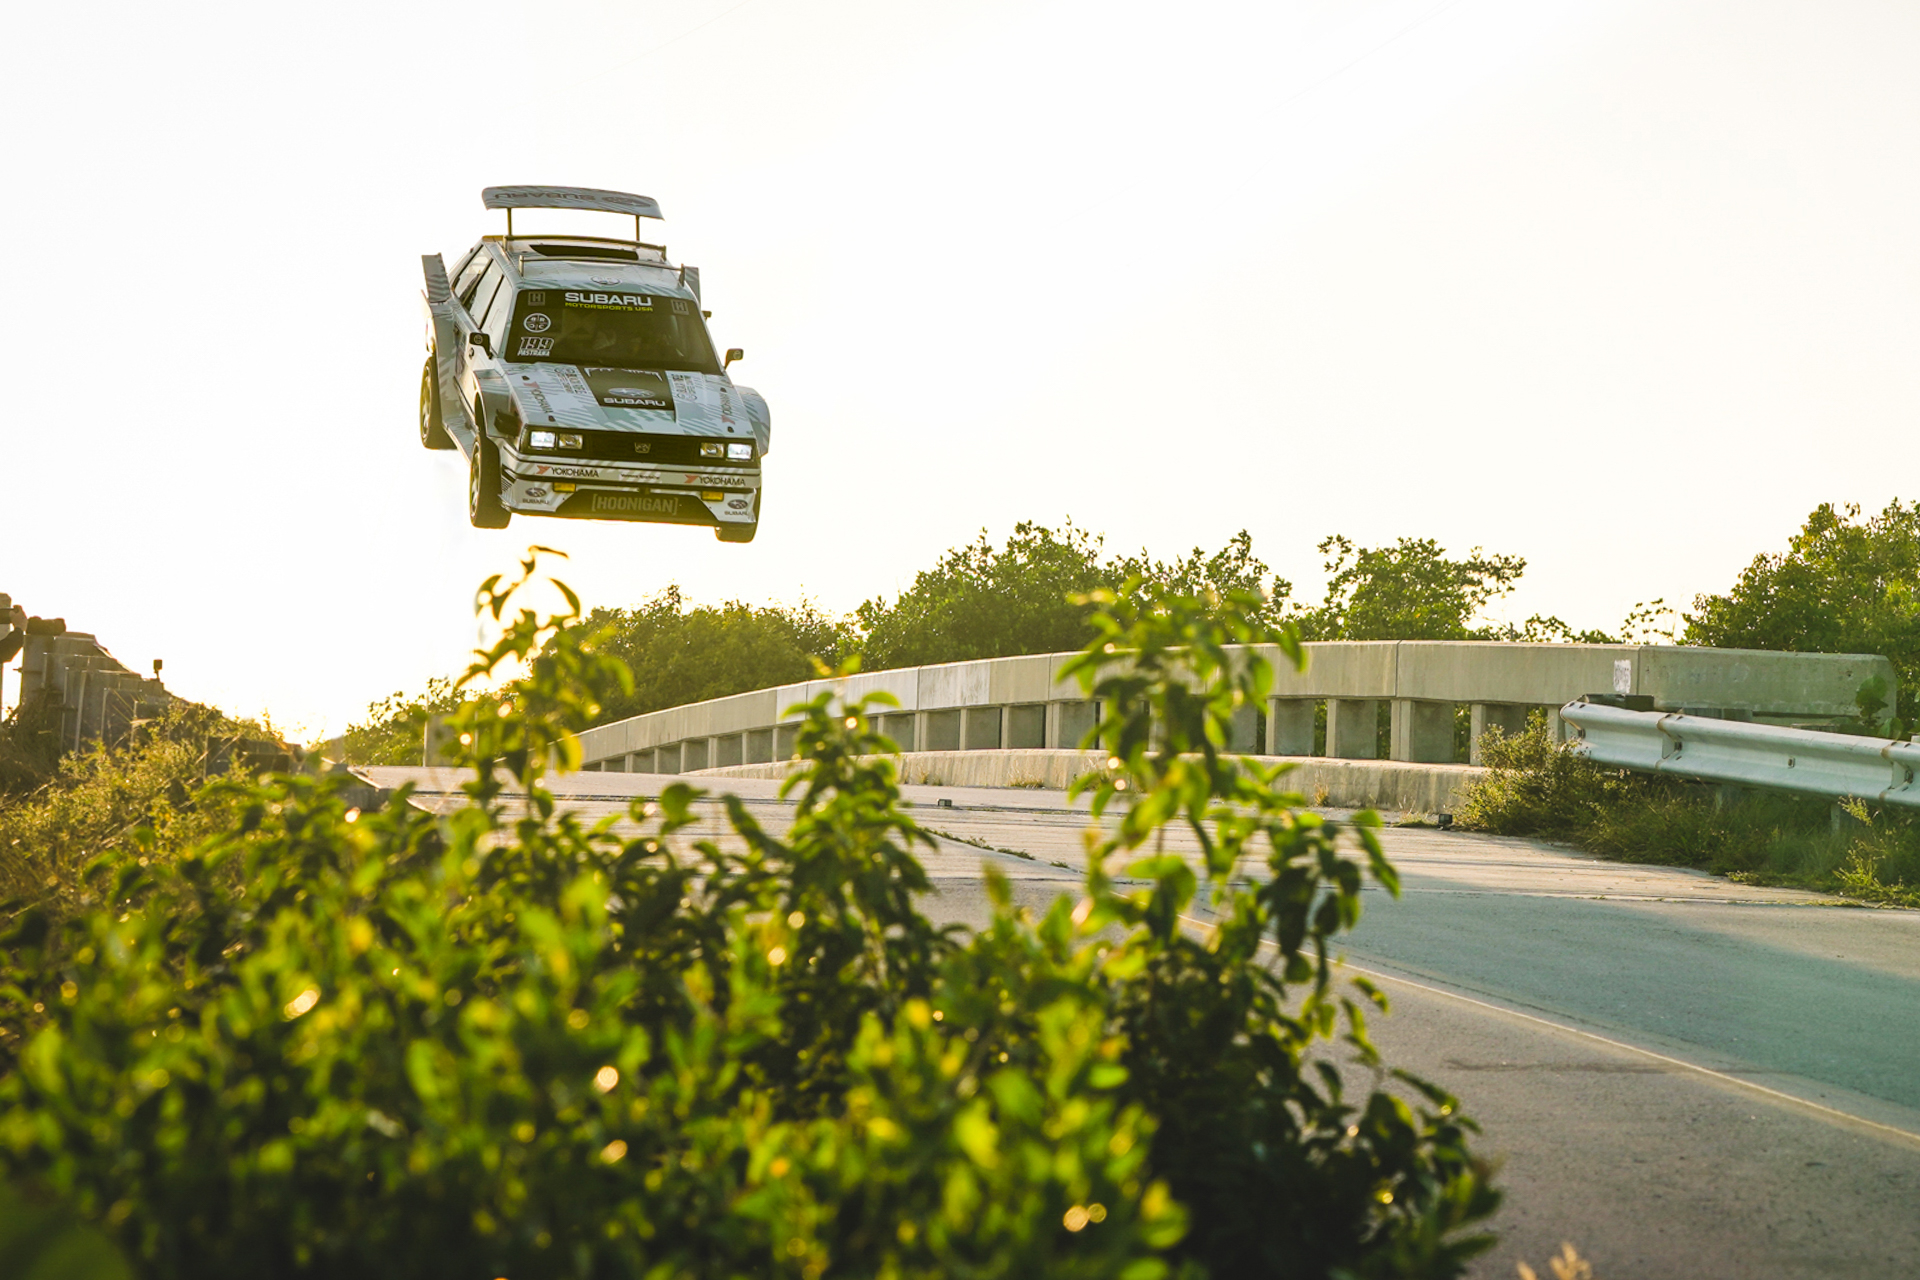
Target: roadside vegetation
[[1844, 585], [982, 600], [261, 1032], [1537, 787]]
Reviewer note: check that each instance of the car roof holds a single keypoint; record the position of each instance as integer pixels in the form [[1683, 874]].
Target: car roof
[[551, 261]]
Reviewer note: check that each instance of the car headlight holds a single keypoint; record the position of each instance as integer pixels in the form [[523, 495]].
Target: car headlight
[[740, 452], [713, 449], [555, 440]]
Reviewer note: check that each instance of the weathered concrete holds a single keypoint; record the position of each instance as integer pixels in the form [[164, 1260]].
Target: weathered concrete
[[1353, 728], [1422, 731], [1290, 726], [1428, 677], [1346, 784]]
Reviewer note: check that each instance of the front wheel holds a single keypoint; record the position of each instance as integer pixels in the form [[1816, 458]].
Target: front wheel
[[433, 433], [483, 484]]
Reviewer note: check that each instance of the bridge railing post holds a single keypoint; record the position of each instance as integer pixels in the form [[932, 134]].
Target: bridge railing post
[[1290, 726], [1422, 731], [1353, 728]]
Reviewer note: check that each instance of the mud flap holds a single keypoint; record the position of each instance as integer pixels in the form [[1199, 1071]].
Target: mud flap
[[446, 341]]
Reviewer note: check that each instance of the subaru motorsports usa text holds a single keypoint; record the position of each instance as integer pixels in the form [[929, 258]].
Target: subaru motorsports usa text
[[577, 376]]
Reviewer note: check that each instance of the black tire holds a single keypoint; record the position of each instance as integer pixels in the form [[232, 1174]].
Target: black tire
[[433, 433], [736, 532], [483, 481]]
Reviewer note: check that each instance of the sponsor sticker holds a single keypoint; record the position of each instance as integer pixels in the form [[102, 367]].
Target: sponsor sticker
[[535, 347], [630, 389], [535, 298], [680, 306], [536, 322], [580, 473], [637, 503], [608, 301]]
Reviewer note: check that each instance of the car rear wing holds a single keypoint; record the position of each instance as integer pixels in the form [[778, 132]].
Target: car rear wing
[[511, 198]]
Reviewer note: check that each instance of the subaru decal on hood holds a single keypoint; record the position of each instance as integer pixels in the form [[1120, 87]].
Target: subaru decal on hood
[[651, 400]]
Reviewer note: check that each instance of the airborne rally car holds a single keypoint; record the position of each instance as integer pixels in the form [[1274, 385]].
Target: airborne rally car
[[577, 376]]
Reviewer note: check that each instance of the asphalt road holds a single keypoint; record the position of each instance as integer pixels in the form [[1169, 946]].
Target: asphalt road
[[1684, 1076]]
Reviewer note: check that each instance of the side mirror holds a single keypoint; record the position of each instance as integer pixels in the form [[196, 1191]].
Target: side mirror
[[734, 353], [480, 340]]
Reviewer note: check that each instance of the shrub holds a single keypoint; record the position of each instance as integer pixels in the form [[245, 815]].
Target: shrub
[[115, 803], [500, 1042], [1535, 786], [30, 745], [1843, 585]]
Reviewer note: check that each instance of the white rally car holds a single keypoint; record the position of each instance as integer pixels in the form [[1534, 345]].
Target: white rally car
[[577, 375]]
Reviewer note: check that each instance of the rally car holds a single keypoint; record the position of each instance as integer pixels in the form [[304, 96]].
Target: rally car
[[577, 376]]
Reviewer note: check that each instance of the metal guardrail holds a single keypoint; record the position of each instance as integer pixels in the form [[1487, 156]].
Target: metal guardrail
[[1755, 755]]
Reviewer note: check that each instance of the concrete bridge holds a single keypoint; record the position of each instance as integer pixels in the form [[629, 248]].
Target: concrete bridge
[[100, 699], [1030, 725]]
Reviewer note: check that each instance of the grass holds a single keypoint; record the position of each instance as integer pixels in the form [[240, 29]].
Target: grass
[[1535, 787], [139, 797]]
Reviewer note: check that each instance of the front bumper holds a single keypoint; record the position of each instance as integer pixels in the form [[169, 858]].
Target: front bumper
[[593, 490]]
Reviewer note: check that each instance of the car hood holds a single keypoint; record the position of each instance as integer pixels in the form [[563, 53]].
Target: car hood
[[653, 401]]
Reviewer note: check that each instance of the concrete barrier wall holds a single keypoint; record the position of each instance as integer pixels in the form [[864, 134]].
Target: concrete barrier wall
[[1019, 703], [100, 700], [1342, 784]]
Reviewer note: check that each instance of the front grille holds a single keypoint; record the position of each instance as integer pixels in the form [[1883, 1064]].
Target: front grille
[[624, 446]]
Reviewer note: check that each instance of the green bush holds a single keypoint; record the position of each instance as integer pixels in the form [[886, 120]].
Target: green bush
[[30, 745], [1537, 787], [102, 803], [499, 1042], [395, 727], [1534, 786], [1028, 596], [1843, 585]]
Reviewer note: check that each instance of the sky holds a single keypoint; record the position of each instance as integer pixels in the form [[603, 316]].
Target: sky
[[1623, 288]]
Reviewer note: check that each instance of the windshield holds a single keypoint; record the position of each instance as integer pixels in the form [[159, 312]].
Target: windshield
[[608, 329]]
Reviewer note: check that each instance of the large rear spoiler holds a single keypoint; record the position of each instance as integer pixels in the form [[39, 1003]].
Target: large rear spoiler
[[511, 198]]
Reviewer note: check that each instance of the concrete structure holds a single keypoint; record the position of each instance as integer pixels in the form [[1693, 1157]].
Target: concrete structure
[[1386, 785], [1019, 704], [100, 699]]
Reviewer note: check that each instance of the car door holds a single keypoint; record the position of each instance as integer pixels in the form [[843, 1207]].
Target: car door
[[486, 288], [444, 335]]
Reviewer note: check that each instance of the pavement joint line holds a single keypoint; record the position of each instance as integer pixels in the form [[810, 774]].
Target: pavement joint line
[[1777, 1095]]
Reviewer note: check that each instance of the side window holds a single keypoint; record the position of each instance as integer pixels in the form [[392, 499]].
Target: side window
[[474, 295], [468, 272], [497, 317], [492, 289]]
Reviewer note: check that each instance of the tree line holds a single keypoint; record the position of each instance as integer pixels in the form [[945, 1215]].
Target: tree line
[[1844, 585]]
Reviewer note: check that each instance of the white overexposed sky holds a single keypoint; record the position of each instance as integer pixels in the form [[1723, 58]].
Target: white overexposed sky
[[1624, 288]]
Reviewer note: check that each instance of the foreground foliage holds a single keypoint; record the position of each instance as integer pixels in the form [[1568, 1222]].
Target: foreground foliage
[[1536, 786], [494, 1041]]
